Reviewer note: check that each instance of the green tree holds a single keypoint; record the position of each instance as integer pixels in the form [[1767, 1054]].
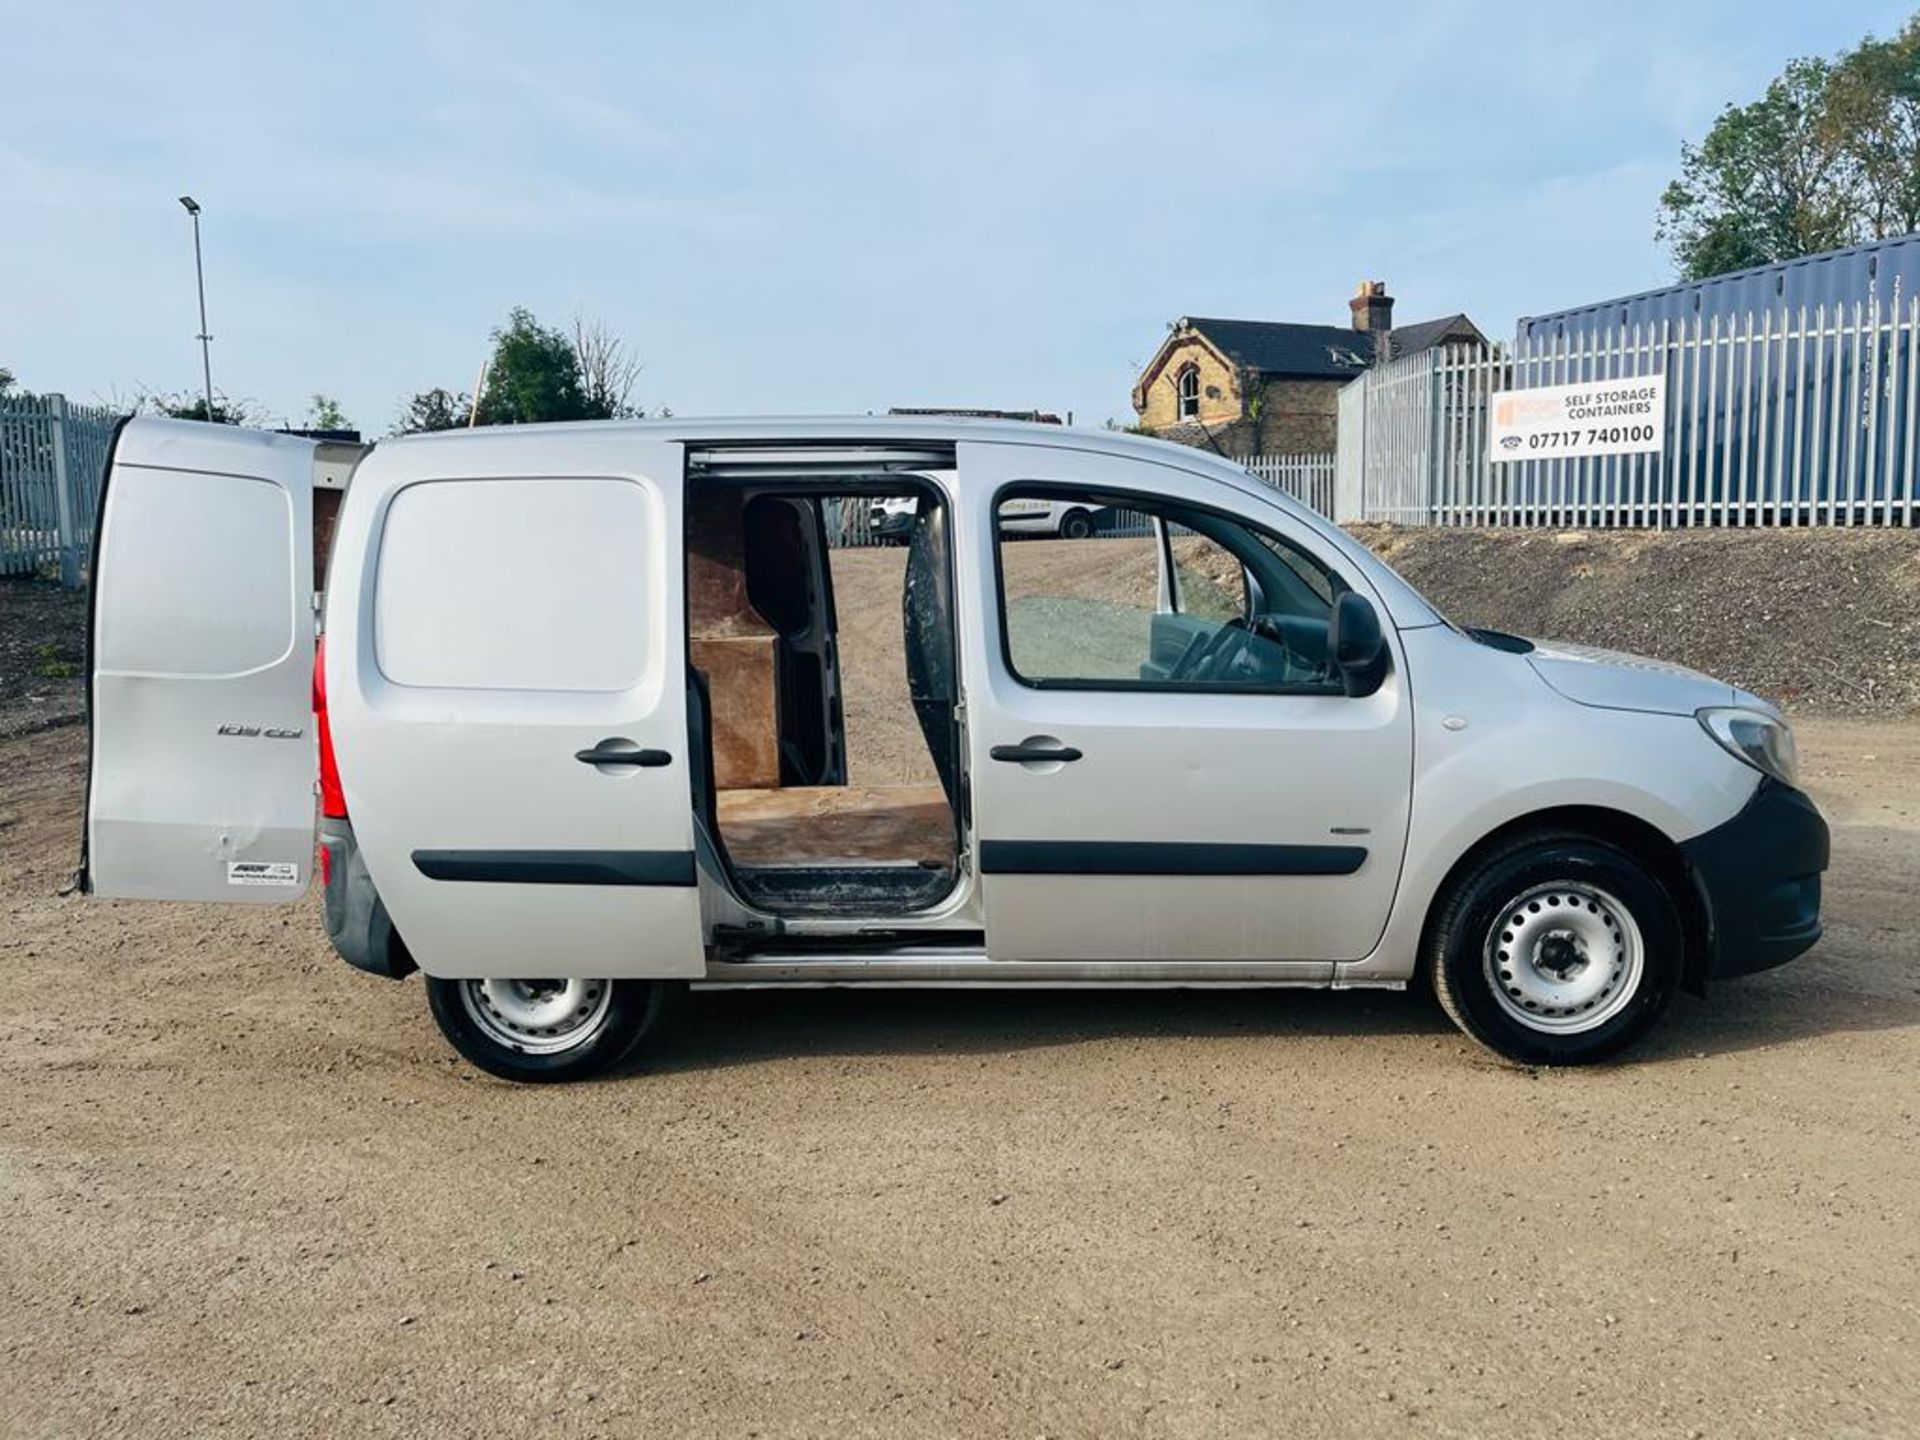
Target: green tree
[[435, 409], [1872, 112], [534, 375], [1828, 156], [324, 413], [1767, 183], [225, 411]]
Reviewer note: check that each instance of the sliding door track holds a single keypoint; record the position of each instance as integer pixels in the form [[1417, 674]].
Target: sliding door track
[[961, 965]]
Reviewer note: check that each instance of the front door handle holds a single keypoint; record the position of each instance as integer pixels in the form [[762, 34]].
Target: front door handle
[[622, 752], [1033, 754]]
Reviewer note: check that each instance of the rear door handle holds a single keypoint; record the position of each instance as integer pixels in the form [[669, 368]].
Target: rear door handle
[[1032, 754], [622, 752]]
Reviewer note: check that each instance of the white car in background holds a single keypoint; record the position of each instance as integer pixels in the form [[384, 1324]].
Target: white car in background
[[891, 518], [1069, 521]]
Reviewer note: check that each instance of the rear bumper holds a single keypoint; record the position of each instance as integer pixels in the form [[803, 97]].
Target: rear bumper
[[1758, 877], [357, 923]]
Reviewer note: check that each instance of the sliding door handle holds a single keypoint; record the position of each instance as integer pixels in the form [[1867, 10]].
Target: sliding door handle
[[1034, 754], [622, 752]]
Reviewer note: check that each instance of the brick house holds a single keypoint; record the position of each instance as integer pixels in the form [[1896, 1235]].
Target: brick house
[[1250, 387]]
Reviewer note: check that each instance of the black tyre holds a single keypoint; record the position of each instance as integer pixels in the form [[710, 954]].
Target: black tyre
[[1556, 949], [547, 1030], [1076, 525]]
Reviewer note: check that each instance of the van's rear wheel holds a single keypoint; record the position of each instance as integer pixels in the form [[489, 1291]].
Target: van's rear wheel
[[546, 1029], [1076, 525], [1556, 949]]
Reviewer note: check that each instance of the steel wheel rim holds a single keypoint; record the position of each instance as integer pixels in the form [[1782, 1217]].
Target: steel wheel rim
[[1564, 958], [537, 1017]]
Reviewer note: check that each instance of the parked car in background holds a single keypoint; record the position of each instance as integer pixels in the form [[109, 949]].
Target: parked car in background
[[1038, 515], [890, 518]]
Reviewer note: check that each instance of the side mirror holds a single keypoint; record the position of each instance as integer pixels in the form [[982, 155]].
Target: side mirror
[[1358, 648]]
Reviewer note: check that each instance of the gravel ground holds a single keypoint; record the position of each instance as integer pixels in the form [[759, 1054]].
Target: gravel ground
[[245, 1190]]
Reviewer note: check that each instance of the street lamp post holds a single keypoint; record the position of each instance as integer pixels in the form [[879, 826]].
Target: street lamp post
[[200, 280]]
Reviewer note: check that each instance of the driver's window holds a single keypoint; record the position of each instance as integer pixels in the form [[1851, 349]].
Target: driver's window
[[1094, 609]]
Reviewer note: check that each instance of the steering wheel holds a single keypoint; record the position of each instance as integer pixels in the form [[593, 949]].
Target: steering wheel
[[1291, 666], [1246, 651], [1205, 656]]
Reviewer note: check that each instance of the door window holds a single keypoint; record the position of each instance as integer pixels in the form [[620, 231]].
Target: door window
[[1165, 597]]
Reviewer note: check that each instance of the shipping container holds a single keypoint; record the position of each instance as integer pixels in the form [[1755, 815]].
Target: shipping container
[[1887, 270]]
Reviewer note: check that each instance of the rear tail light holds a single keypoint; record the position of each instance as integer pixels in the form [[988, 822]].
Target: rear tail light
[[333, 800]]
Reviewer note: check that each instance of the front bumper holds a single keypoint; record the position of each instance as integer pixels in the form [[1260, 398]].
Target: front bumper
[[357, 923], [1758, 878]]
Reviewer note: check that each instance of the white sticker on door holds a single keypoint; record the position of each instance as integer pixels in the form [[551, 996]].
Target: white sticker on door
[[262, 872]]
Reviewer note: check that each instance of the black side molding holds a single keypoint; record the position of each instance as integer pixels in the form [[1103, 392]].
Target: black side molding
[[558, 867], [1122, 857]]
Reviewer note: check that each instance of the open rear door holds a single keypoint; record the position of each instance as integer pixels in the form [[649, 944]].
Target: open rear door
[[201, 784]]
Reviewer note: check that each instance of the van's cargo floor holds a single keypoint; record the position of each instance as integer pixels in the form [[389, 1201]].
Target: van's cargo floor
[[860, 826]]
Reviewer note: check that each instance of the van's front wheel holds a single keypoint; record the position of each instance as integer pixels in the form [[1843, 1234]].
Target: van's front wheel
[[1556, 949], [545, 1029]]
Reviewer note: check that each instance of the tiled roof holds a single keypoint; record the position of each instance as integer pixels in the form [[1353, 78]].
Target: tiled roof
[[1412, 339], [1277, 348], [1333, 352]]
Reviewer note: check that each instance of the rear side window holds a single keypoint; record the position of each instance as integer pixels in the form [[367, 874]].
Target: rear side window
[[198, 574], [518, 585]]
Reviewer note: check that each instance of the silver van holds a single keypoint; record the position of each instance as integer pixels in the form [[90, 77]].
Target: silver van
[[588, 727]]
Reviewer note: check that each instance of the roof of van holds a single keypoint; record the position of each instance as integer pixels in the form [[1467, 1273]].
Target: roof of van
[[943, 427], [904, 430], [696, 430]]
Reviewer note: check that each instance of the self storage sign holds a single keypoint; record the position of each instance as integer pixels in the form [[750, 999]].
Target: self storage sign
[[1565, 422]]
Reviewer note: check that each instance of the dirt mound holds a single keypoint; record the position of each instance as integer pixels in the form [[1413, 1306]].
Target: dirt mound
[[1825, 620]]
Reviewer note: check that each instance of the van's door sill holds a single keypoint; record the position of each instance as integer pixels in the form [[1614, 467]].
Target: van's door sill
[[960, 965], [843, 890]]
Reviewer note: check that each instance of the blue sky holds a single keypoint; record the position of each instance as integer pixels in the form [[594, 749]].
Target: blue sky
[[826, 207]]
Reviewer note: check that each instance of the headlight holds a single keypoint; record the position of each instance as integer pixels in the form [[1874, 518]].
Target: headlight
[[1757, 738]]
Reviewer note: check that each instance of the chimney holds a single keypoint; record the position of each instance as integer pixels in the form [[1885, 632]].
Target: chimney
[[1372, 311]]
